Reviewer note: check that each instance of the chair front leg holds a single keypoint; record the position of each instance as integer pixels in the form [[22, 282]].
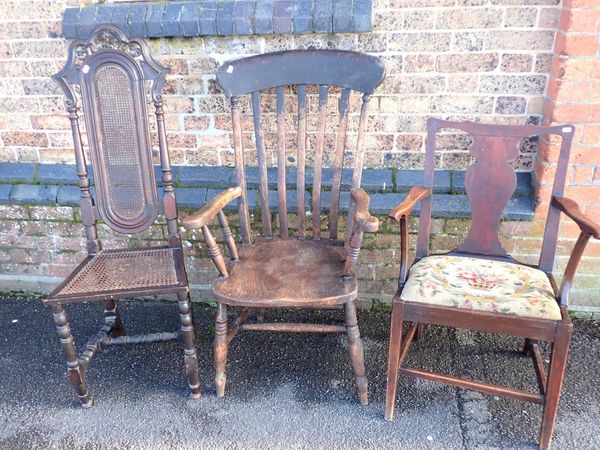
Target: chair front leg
[[188, 335], [356, 352], [558, 364], [393, 360], [220, 346], [75, 372]]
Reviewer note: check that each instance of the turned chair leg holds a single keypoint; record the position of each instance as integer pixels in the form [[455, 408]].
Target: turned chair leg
[[189, 338], [356, 352], [558, 364], [393, 360], [220, 348], [112, 310], [526, 350], [75, 372]]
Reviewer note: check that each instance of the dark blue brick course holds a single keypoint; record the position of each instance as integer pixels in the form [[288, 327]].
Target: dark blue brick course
[[196, 185], [302, 16], [34, 194], [222, 17], [171, 20], [243, 17], [225, 12], [189, 19], [136, 20], [5, 192]]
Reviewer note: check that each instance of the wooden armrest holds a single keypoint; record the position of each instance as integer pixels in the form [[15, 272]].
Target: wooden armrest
[[365, 221], [210, 210], [405, 207], [571, 209]]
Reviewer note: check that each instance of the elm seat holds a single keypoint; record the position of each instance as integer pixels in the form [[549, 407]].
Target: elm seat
[[482, 285], [132, 270], [281, 271]]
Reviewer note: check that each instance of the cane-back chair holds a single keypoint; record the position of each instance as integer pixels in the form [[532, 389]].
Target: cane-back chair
[[478, 286], [111, 75], [297, 268]]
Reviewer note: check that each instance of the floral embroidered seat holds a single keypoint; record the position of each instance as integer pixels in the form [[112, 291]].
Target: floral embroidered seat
[[483, 285]]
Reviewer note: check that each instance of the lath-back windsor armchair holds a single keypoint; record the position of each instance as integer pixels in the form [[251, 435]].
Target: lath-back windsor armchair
[[278, 270], [108, 75], [478, 286]]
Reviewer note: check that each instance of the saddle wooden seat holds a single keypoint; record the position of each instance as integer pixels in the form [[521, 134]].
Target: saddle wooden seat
[[281, 272]]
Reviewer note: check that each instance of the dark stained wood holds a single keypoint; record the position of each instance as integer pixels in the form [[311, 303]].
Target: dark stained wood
[[281, 163], [281, 271], [106, 78], [405, 207], [571, 209], [489, 183], [263, 182], [349, 70], [502, 391], [228, 236], [338, 165], [301, 161], [220, 346], [294, 327], [211, 209], [318, 169]]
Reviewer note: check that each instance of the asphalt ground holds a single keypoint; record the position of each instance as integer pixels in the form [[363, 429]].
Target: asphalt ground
[[283, 390]]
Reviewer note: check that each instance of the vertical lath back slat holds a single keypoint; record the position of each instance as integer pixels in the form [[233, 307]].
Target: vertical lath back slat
[[263, 182], [318, 165], [301, 161], [240, 173], [281, 166], [358, 159], [336, 182]]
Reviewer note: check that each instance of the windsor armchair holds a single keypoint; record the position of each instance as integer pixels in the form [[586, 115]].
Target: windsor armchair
[[285, 267], [108, 75], [478, 286]]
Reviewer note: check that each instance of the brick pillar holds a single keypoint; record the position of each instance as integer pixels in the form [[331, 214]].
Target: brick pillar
[[573, 96]]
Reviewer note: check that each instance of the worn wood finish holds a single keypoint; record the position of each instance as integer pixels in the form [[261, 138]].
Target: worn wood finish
[[106, 76], [211, 209], [280, 271], [489, 183], [281, 163], [318, 169], [338, 165]]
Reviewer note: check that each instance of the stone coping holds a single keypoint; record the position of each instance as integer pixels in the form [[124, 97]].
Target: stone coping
[[56, 184], [222, 17]]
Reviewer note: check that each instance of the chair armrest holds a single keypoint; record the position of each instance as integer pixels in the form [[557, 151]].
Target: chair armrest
[[211, 209], [362, 218], [405, 207], [571, 209]]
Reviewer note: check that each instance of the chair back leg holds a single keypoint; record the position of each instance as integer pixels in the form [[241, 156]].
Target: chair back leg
[[356, 351], [112, 310]]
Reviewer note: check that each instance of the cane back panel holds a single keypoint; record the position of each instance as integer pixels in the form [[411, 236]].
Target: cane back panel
[[312, 77], [108, 74]]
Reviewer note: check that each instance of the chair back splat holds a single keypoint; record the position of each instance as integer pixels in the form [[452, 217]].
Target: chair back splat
[[108, 75], [314, 76], [490, 183]]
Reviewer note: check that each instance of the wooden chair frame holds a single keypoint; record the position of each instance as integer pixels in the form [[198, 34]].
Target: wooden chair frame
[[123, 205], [323, 68], [482, 242]]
